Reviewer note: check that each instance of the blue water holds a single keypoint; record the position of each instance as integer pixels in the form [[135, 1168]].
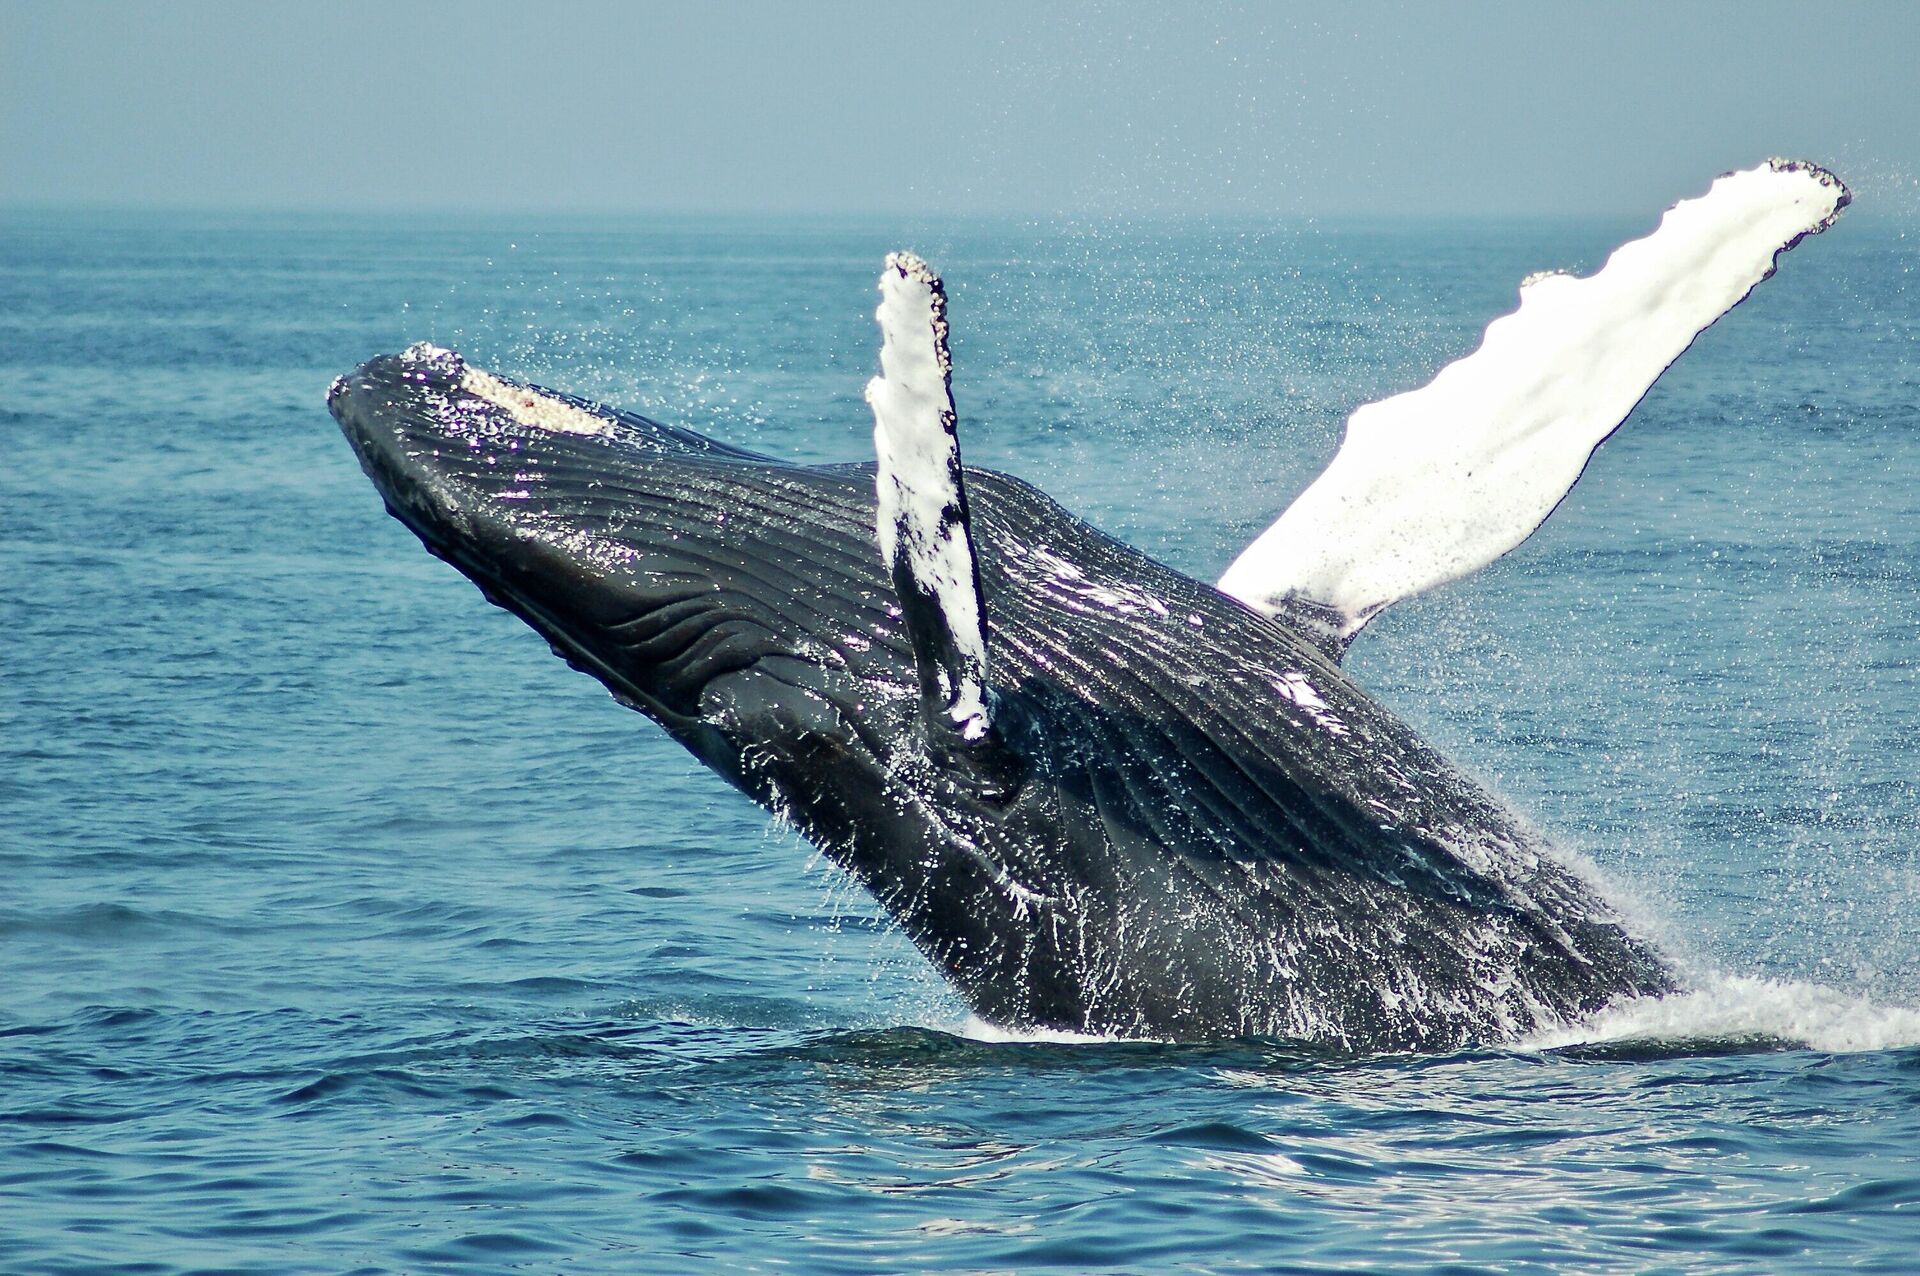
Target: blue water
[[344, 929]]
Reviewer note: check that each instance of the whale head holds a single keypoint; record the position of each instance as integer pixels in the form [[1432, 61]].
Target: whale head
[[631, 546]]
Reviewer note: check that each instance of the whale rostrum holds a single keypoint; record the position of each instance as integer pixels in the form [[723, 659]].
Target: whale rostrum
[[1099, 795]]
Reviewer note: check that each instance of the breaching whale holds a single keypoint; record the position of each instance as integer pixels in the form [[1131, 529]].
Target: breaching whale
[[1099, 795]]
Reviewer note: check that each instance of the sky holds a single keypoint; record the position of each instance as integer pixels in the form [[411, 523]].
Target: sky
[[1103, 108]]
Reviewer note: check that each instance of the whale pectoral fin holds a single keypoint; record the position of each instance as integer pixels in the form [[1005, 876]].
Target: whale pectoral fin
[[925, 538], [1434, 484]]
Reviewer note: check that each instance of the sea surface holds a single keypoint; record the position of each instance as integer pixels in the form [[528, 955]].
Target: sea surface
[[343, 929]]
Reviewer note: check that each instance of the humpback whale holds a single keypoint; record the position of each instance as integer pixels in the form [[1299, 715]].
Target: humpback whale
[[1099, 795]]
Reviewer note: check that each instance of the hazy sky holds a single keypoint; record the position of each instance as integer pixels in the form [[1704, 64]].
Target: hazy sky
[[962, 107]]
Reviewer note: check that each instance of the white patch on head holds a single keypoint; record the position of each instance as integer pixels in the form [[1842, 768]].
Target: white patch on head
[[530, 407]]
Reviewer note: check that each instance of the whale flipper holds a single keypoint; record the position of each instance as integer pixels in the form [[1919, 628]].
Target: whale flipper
[[1433, 484], [926, 538]]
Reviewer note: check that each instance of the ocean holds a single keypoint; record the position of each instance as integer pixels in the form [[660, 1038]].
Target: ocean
[[343, 929]]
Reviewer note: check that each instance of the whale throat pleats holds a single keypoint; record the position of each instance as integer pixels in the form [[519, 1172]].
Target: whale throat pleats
[[1433, 484], [926, 540]]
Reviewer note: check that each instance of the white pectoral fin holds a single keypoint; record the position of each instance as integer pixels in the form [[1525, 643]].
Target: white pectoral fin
[[925, 538], [1431, 485]]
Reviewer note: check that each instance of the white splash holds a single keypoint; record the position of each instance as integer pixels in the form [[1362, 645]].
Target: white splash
[[1731, 1007], [978, 1029], [1434, 484]]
